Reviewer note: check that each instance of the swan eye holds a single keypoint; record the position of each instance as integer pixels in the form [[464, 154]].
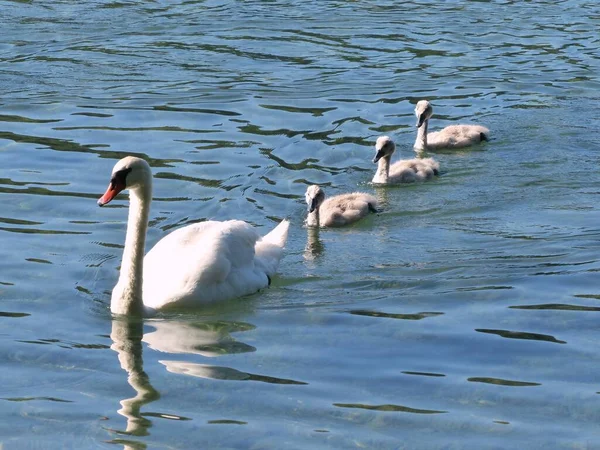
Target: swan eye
[[119, 177]]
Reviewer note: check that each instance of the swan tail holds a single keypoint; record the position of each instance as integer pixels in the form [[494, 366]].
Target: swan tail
[[269, 249], [278, 235]]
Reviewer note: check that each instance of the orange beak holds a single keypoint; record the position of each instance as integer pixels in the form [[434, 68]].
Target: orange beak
[[111, 192]]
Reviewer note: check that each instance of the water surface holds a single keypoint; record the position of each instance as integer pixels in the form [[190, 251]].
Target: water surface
[[464, 315]]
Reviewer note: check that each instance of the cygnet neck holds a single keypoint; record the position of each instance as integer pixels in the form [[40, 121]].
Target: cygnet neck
[[383, 169], [313, 218], [421, 141]]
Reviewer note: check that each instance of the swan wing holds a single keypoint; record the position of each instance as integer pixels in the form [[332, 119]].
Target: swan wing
[[456, 136], [202, 263], [416, 169], [346, 208]]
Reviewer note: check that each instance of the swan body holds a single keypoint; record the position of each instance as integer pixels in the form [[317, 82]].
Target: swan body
[[453, 136], [403, 171], [339, 210], [197, 264]]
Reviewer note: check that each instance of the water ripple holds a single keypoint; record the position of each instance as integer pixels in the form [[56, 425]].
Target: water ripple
[[522, 335]]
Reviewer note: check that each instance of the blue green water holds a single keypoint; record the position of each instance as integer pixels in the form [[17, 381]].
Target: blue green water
[[464, 315]]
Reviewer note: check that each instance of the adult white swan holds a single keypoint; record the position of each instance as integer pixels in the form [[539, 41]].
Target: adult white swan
[[453, 136], [198, 264]]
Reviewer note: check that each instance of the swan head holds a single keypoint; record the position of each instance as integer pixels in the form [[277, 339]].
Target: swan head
[[384, 147], [423, 111], [129, 173], [314, 197]]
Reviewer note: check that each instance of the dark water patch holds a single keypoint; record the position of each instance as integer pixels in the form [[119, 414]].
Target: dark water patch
[[276, 194], [258, 130], [341, 140], [413, 316], [29, 399], [139, 129], [10, 118], [91, 346], [424, 374], [308, 163], [384, 129], [13, 314], [356, 119], [66, 345], [36, 231], [214, 144], [388, 408], [201, 181], [62, 145], [109, 245], [226, 422], [592, 296], [557, 307], [43, 191], [501, 382], [218, 112], [317, 112], [522, 335], [38, 260], [484, 288], [6, 283], [10, 182], [18, 221], [225, 49], [92, 114], [84, 290], [501, 422]]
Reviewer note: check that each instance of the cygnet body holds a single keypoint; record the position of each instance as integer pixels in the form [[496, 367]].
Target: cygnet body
[[339, 210], [403, 171], [453, 136]]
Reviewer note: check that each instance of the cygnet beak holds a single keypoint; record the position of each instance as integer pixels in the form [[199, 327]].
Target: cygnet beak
[[378, 155]]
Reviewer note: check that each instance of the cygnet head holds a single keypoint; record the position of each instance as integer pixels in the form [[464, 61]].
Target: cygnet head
[[314, 197], [423, 111], [129, 173], [384, 147]]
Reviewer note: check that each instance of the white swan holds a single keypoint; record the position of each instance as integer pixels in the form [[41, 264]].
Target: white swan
[[453, 136], [198, 264], [339, 210], [403, 171]]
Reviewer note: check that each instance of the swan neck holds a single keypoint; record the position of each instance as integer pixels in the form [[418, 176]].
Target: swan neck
[[312, 220], [421, 141], [127, 294], [383, 170]]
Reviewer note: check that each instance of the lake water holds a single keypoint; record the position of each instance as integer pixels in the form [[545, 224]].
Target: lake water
[[464, 315]]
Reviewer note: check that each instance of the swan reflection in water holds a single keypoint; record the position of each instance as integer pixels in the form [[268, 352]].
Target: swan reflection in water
[[127, 342], [169, 336], [205, 339], [314, 246]]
